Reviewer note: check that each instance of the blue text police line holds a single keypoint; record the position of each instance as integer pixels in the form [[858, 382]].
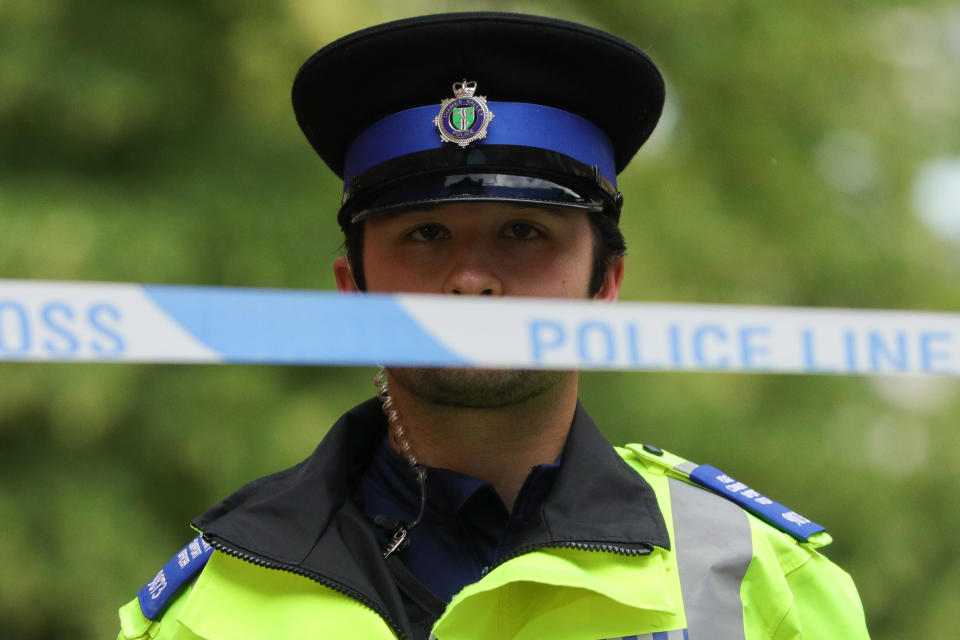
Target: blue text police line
[[744, 348], [61, 330], [75, 321]]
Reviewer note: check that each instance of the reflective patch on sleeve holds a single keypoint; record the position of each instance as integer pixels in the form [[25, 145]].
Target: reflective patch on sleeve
[[157, 593], [759, 505], [678, 634]]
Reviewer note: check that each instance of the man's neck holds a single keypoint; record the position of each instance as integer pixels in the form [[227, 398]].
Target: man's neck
[[497, 445]]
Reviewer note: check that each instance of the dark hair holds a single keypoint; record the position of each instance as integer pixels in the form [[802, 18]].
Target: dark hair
[[608, 246]]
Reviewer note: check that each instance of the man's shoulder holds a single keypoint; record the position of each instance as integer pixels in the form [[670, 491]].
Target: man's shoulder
[[237, 599], [719, 488], [717, 521], [141, 615]]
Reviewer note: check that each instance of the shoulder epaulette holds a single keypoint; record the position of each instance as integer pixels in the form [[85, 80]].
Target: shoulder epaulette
[[157, 593], [718, 482]]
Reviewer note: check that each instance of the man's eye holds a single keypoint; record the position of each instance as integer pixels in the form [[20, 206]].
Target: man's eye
[[523, 231], [428, 232]]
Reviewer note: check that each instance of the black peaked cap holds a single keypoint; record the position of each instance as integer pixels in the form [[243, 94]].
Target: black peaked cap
[[356, 80]]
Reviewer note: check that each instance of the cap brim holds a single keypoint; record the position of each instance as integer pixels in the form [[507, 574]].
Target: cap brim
[[437, 189]]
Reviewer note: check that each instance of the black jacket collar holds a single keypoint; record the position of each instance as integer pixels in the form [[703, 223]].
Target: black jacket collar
[[304, 520]]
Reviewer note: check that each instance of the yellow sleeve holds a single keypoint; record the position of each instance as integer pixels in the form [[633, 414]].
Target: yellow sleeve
[[135, 626], [825, 603], [793, 592]]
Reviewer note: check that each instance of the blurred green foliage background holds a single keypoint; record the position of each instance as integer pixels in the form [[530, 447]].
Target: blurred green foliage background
[[154, 142]]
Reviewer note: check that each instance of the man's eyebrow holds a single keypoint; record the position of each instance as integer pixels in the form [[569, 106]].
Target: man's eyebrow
[[513, 206], [556, 211], [395, 213]]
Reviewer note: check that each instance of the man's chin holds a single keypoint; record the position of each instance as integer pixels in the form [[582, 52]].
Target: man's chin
[[475, 388]]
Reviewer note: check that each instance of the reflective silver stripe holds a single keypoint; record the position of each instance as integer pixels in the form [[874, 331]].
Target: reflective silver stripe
[[677, 634], [686, 468], [713, 547]]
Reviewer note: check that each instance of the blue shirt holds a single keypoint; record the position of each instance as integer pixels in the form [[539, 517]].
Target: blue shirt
[[466, 527]]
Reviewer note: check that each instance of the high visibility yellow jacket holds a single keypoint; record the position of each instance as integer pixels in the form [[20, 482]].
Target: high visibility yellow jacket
[[659, 559]]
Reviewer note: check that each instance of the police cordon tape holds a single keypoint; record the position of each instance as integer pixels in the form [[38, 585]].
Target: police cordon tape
[[114, 322]]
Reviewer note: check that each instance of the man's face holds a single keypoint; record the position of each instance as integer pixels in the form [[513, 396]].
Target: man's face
[[479, 249]]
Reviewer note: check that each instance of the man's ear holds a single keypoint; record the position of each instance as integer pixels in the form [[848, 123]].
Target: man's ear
[[612, 280], [344, 275]]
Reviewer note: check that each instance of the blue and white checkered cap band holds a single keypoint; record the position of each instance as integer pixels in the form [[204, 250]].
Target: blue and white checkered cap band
[[516, 123], [63, 321]]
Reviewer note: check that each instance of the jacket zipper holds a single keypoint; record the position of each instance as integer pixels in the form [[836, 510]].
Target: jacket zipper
[[367, 602], [330, 584]]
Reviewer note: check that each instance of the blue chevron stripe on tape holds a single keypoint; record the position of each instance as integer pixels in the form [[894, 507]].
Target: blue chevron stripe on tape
[[298, 327]]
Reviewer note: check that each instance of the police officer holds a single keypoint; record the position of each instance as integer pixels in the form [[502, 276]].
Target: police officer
[[479, 154]]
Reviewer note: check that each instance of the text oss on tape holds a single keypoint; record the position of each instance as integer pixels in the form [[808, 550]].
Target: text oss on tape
[[60, 329]]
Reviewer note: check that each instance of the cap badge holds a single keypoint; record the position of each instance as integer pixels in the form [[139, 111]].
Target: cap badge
[[464, 118]]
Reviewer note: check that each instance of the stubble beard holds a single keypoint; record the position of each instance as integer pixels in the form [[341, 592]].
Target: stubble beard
[[475, 388]]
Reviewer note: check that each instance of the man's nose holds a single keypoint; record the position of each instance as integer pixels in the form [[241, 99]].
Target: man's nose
[[471, 277]]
